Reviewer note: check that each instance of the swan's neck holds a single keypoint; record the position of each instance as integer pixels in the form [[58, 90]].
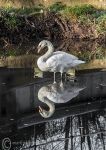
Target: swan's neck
[[42, 60], [50, 104], [49, 52]]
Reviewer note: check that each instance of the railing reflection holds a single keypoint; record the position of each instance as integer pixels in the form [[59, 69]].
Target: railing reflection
[[77, 133]]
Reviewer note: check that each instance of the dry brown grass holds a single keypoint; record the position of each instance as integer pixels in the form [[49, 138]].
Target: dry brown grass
[[94, 64], [30, 3], [29, 61], [24, 61]]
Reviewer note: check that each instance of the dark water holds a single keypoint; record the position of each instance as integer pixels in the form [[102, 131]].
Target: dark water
[[76, 121]]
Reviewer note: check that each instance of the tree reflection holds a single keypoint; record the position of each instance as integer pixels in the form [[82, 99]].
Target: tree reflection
[[83, 132]]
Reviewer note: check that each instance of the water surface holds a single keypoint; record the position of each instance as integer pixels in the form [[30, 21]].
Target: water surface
[[79, 122]]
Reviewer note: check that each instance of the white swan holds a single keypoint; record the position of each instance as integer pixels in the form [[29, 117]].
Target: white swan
[[54, 93], [56, 61]]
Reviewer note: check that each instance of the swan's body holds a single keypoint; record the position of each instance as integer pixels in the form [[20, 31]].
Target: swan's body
[[54, 93], [58, 94], [56, 61]]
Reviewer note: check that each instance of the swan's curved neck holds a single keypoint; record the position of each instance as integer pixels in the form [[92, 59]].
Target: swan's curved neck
[[42, 60], [49, 52], [49, 103]]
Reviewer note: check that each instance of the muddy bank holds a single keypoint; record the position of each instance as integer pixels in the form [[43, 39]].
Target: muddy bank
[[47, 25]]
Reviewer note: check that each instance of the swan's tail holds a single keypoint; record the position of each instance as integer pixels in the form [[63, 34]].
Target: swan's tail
[[78, 62]]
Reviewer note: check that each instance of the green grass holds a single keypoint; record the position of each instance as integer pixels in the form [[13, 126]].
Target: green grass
[[84, 13], [9, 15], [81, 10], [9, 18]]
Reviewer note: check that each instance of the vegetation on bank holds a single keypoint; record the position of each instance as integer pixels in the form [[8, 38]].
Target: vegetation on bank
[[55, 22], [86, 14]]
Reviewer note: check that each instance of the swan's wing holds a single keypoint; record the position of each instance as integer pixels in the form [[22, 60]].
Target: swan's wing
[[60, 60], [64, 53], [62, 97], [58, 96]]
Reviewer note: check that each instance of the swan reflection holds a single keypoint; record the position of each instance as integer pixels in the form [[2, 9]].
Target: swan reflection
[[56, 93]]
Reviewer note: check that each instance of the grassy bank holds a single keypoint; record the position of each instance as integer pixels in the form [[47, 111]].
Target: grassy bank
[[58, 21], [85, 14]]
